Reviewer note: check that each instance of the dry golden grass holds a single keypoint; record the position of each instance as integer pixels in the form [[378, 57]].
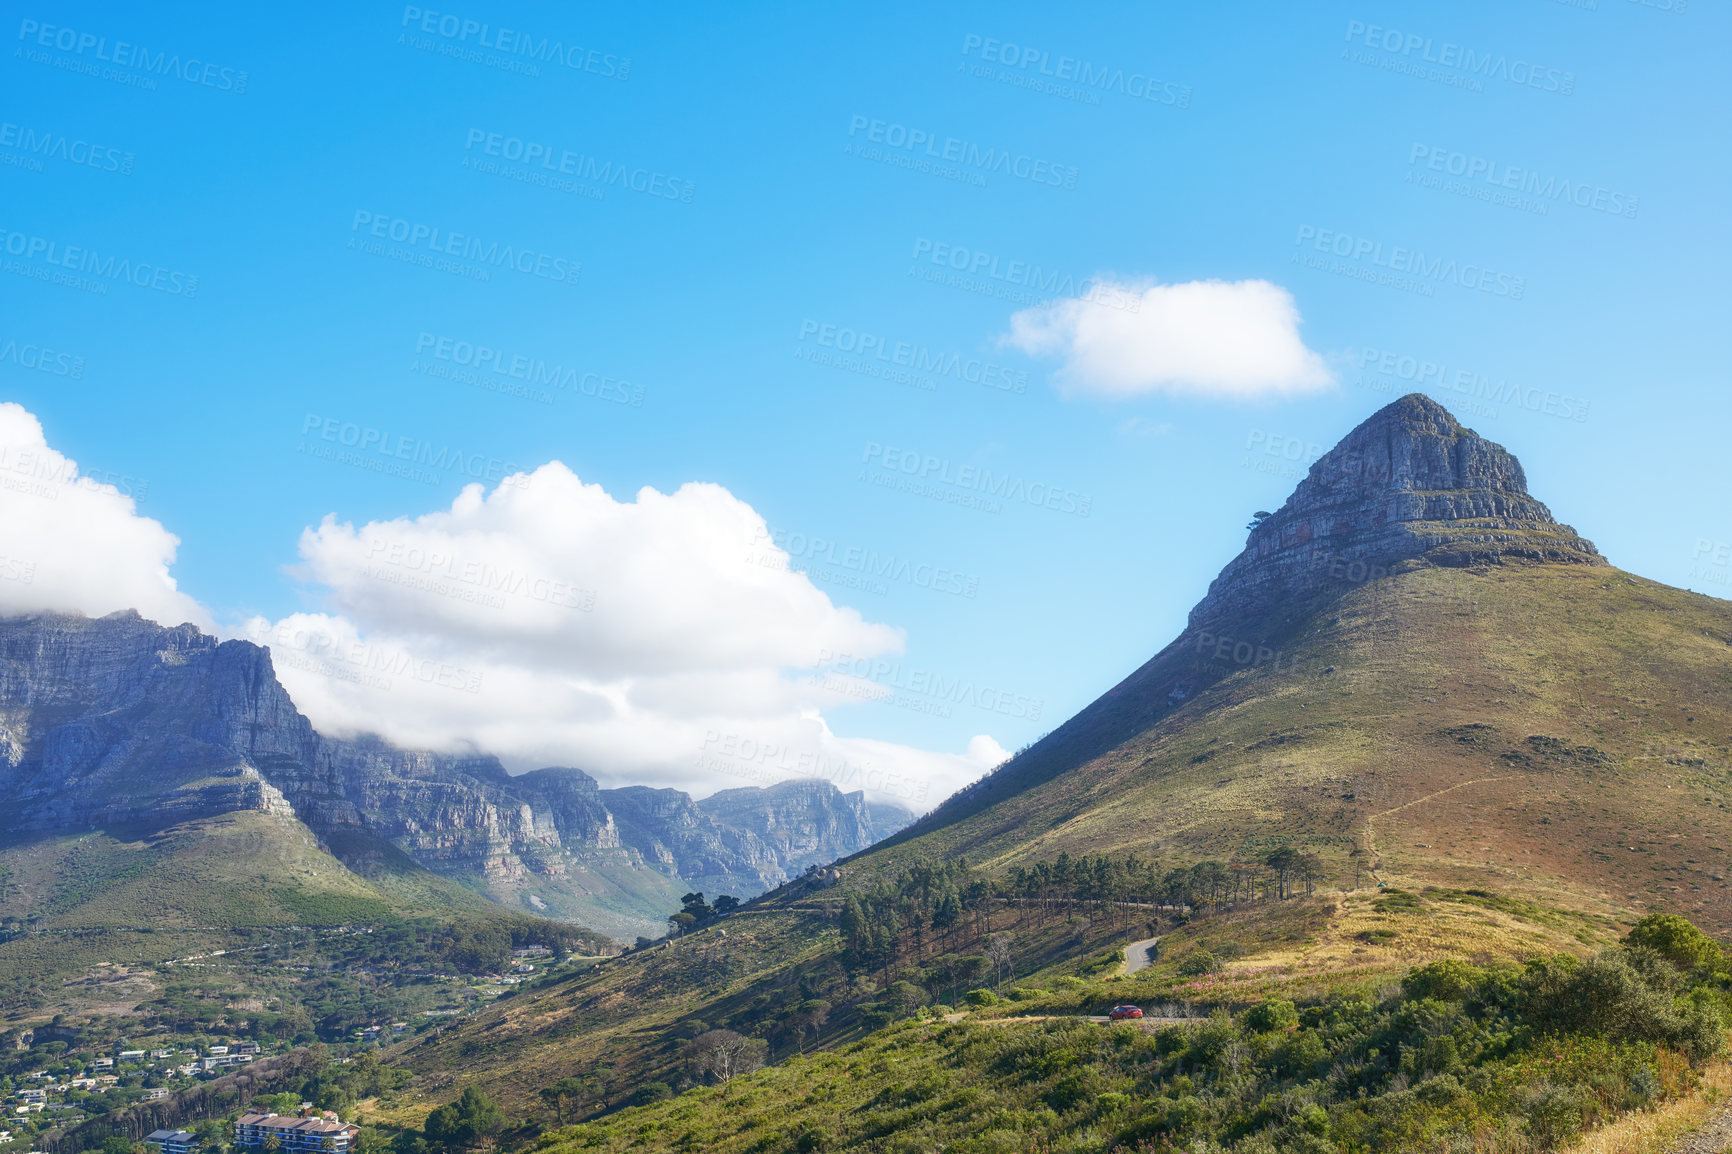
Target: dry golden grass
[[1653, 1131], [1356, 935]]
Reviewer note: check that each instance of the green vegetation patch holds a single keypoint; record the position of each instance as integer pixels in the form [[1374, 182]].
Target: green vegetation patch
[[1526, 1057]]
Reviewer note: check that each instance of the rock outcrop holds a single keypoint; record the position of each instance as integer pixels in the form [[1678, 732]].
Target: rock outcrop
[[1409, 485]]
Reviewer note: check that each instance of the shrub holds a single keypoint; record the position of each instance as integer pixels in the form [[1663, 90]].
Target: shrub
[[981, 998], [1679, 942], [1199, 962], [1442, 1091], [1274, 1014], [812, 1138], [1447, 980], [1622, 995], [1313, 1119], [651, 1092], [1554, 1115]]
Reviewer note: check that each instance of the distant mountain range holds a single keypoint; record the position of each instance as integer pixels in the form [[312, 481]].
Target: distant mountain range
[[120, 723]]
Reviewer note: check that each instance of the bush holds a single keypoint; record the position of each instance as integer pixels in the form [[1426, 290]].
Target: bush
[[1679, 942], [1274, 1014], [981, 998], [1554, 1115], [1447, 980], [1624, 996], [812, 1138], [1199, 962], [651, 1092]]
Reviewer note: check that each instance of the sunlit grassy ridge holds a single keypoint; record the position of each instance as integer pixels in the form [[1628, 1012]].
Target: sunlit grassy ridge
[[1494, 766], [1558, 730]]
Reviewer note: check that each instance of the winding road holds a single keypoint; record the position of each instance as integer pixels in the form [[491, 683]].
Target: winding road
[[1140, 955]]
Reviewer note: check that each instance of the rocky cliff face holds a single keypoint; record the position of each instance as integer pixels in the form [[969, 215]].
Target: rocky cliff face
[[744, 841], [1409, 485], [119, 721]]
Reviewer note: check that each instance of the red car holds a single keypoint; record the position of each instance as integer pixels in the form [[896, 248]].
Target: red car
[[1120, 1013]]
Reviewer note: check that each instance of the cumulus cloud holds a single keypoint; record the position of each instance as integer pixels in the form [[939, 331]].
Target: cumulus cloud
[[73, 543], [663, 640], [1236, 340]]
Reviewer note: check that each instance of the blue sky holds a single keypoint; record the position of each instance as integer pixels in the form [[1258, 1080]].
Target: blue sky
[[766, 228]]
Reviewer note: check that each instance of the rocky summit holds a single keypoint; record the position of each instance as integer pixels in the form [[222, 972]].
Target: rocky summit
[[1409, 488], [120, 722], [1410, 485]]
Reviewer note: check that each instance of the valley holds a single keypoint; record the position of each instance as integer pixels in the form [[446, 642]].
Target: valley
[[1421, 825]]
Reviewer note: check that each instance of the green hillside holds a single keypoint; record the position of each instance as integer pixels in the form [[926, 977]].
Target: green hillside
[[108, 922], [1490, 765]]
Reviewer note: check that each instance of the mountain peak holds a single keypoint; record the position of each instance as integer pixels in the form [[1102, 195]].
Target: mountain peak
[[1409, 485]]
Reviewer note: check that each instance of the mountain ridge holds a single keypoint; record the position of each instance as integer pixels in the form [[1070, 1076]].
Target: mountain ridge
[[120, 721], [1486, 742], [1481, 641]]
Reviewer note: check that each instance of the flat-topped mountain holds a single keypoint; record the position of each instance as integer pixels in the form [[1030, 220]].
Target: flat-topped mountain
[[119, 722]]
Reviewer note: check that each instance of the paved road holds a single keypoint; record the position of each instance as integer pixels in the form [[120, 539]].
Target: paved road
[[1137, 955]]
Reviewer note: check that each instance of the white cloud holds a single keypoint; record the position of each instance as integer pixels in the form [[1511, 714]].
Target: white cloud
[[1237, 340], [656, 641], [73, 544]]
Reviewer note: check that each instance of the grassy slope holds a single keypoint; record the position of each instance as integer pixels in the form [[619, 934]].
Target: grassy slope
[[1553, 738], [1416, 747], [624, 1013], [608, 891], [106, 908]]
